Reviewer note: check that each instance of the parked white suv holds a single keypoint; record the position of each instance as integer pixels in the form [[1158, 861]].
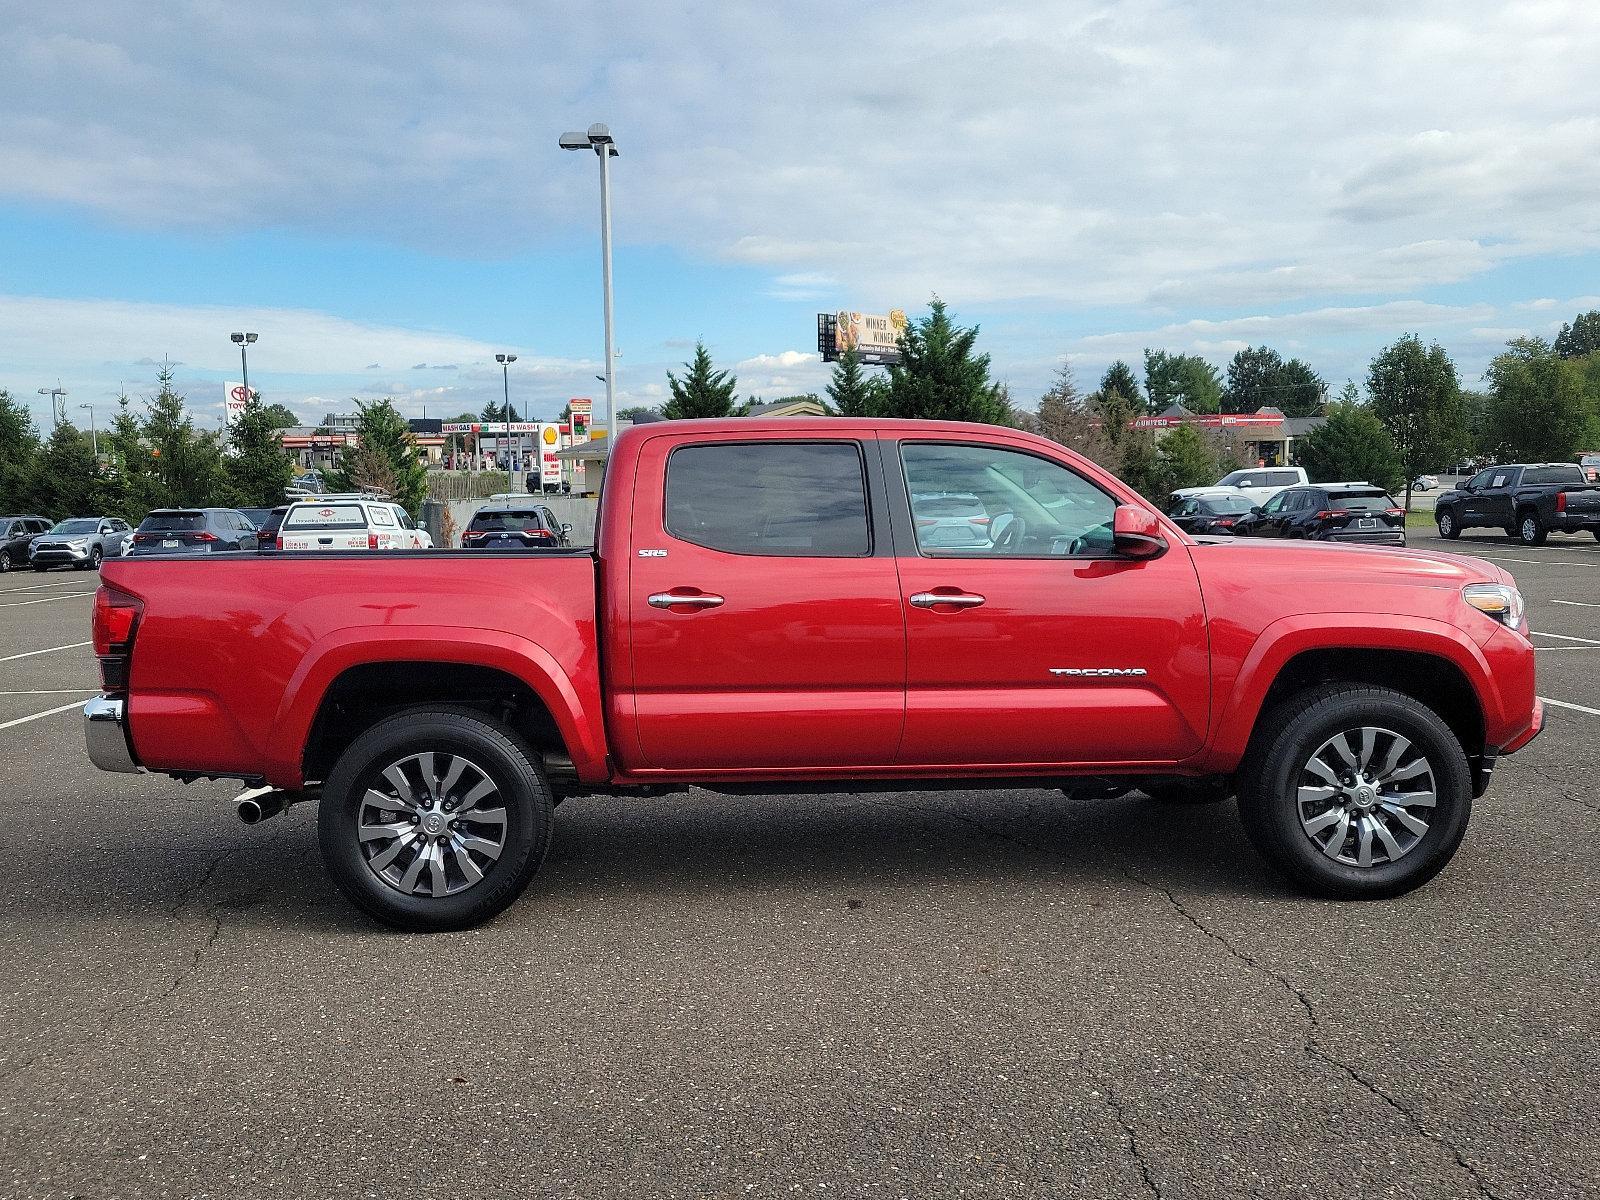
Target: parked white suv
[[349, 522], [1263, 483]]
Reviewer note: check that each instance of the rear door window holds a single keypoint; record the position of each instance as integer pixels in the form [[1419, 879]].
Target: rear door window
[[382, 516], [325, 516], [777, 499]]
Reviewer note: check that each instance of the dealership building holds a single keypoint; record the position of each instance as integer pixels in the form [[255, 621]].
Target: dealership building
[[1266, 436]]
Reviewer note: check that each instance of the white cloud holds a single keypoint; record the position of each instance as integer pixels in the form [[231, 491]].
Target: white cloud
[[1069, 152]]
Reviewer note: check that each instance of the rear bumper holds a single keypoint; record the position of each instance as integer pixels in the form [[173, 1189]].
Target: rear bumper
[[105, 734], [1574, 522], [1370, 537]]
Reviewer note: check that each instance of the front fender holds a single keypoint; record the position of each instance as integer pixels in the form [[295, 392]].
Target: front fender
[[1235, 718], [574, 706]]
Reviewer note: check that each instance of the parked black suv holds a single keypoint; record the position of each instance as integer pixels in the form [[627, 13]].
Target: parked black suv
[[1329, 512], [1527, 500], [16, 535], [1217, 514], [514, 525], [193, 531]]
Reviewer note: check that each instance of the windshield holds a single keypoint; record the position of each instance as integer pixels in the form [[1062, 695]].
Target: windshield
[[79, 526], [173, 521], [506, 521]]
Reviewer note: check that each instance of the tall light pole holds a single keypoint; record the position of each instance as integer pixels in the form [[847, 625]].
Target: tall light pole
[[240, 340], [505, 361], [598, 138], [94, 438], [58, 408]]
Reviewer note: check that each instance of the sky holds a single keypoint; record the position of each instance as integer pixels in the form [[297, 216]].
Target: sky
[[377, 190]]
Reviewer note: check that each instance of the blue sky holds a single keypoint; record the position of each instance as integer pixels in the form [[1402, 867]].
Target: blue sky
[[381, 197]]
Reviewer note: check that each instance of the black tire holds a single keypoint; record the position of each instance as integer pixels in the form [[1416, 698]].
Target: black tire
[[5, 562], [1213, 789], [502, 756], [1270, 781], [96, 557], [1448, 527], [1530, 528]]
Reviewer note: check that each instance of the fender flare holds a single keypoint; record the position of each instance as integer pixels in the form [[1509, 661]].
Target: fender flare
[[1235, 719], [327, 659]]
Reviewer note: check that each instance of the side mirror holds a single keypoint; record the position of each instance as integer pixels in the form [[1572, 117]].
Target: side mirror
[[1136, 533], [565, 528], [1257, 511]]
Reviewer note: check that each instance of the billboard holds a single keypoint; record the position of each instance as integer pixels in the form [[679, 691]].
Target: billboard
[[234, 398], [874, 338]]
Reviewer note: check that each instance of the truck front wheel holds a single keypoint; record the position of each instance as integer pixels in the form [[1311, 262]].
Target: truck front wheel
[[1355, 792], [1531, 528], [434, 819]]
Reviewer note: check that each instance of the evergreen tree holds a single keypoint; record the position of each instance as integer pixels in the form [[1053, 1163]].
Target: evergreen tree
[[278, 416], [63, 479], [1258, 377], [131, 483], [1185, 379], [499, 412], [258, 469], [1352, 444], [939, 377], [1067, 417], [852, 391], [1119, 377], [1140, 465], [384, 458], [1186, 458], [187, 466], [1417, 396], [702, 392], [1581, 337]]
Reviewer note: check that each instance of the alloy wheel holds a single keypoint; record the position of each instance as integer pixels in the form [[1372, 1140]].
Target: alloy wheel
[[1446, 524], [1366, 797], [432, 824]]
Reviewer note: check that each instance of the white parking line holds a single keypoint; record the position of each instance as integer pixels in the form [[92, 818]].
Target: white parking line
[[1576, 603], [1583, 708], [46, 650], [79, 691], [43, 600], [73, 581], [1566, 637], [50, 712]]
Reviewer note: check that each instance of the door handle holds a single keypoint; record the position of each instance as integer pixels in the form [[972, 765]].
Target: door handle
[[954, 599], [684, 599]]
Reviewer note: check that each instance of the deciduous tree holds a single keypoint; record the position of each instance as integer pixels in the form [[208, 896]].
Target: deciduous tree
[[1185, 379], [1539, 409], [1352, 444], [1417, 396], [1580, 337]]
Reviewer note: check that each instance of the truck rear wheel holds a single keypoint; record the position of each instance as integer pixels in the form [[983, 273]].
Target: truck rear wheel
[[1355, 792], [434, 819], [1531, 529]]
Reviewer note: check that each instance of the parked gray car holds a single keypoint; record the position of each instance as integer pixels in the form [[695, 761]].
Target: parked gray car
[[80, 542]]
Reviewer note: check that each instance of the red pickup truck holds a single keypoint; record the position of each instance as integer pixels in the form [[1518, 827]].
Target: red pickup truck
[[805, 605]]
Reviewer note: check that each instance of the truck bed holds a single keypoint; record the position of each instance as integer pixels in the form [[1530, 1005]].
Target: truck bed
[[234, 653]]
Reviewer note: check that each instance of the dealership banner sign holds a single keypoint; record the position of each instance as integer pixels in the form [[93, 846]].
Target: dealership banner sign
[[874, 338]]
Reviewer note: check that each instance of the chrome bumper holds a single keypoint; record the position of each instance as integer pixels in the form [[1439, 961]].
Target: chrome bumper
[[105, 733]]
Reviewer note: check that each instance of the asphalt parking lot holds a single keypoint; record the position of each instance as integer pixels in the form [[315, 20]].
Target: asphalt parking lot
[[907, 995]]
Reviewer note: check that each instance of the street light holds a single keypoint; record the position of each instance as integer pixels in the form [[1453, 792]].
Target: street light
[[598, 138], [505, 361], [57, 409], [242, 340], [94, 438]]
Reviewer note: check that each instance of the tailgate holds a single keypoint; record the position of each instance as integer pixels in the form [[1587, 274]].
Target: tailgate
[[332, 539], [1582, 501]]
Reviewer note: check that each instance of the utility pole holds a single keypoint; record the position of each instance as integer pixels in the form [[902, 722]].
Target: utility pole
[[58, 405], [94, 438], [598, 138], [505, 361]]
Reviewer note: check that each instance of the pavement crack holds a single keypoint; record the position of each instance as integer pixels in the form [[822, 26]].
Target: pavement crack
[[1132, 1140], [1314, 1048], [1560, 786]]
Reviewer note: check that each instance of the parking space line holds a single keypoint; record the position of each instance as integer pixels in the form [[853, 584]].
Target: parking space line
[[1566, 637], [43, 599], [46, 650], [1577, 603], [50, 712], [1583, 708], [47, 692], [78, 581]]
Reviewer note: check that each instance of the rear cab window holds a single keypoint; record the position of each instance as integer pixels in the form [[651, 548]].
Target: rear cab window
[[1554, 475], [770, 498], [325, 516]]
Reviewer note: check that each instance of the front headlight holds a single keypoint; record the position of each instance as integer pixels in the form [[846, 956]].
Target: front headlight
[[1500, 600]]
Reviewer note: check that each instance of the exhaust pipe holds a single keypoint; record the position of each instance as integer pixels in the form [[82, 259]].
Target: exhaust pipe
[[257, 804]]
